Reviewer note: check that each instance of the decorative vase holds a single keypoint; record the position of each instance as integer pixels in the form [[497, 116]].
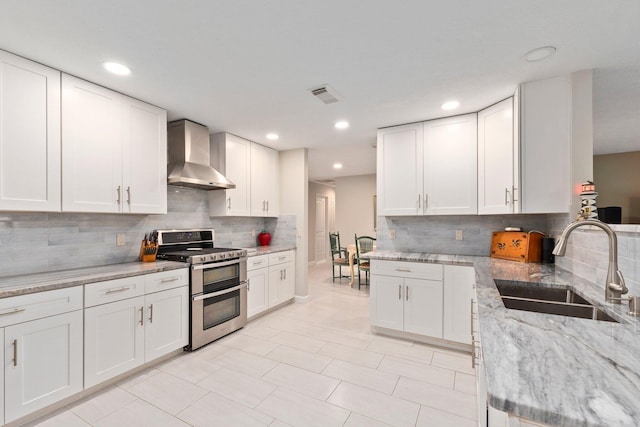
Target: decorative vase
[[264, 238]]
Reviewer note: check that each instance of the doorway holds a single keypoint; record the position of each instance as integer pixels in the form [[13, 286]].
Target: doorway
[[321, 228]]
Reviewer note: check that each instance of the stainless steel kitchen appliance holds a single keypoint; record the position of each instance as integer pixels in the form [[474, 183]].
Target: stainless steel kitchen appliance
[[218, 282]]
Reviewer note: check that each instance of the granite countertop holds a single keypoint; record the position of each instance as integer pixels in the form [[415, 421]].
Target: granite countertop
[[552, 369], [40, 282], [264, 250]]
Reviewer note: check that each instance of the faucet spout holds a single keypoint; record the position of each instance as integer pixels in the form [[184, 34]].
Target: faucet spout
[[615, 286]]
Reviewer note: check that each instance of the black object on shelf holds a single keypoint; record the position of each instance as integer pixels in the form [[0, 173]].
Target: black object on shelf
[[548, 244], [610, 214]]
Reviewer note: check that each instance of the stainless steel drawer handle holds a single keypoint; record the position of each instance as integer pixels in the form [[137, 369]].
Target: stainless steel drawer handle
[[407, 295], [15, 352], [400, 292], [229, 203], [173, 279], [257, 262], [128, 195], [141, 316], [282, 257], [404, 270], [116, 290], [13, 311], [118, 199], [151, 313]]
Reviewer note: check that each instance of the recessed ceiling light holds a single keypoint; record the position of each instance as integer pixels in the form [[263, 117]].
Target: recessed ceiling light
[[272, 136], [450, 105], [342, 124], [337, 165], [116, 68], [540, 53]]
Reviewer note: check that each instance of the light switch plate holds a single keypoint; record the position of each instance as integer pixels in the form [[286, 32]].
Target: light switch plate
[[392, 234], [120, 239], [459, 235]]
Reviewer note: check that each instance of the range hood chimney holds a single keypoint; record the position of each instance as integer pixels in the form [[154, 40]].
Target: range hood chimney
[[190, 158]]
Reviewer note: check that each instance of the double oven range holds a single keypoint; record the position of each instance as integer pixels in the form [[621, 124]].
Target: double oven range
[[218, 283]]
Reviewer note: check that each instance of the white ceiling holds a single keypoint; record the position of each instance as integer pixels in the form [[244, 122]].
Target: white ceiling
[[246, 66]]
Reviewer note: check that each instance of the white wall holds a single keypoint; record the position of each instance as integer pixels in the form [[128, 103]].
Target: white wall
[[316, 189], [294, 178], [354, 206]]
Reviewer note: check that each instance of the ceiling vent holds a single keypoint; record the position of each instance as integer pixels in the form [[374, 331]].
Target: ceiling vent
[[326, 94]]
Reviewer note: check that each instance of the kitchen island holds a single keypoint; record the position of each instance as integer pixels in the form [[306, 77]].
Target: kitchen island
[[547, 368]]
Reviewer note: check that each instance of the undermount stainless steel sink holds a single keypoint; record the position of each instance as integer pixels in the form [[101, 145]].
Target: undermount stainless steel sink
[[540, 299]]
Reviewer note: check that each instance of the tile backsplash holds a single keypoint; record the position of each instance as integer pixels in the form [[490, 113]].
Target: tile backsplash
[[40, 242]]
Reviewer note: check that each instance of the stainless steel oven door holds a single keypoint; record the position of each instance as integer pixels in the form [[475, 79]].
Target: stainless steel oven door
[[222, 307]]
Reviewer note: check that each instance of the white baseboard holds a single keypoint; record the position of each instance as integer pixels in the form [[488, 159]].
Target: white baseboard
[[302, 299]]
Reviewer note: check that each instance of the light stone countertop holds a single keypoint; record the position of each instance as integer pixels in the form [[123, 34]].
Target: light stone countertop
[[552, 369], [40, 282], [264, 250]]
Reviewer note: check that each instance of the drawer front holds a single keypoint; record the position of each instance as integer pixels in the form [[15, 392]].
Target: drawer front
[[255, 262], [113, 290], [163, 280], [414, 270], [280, 257], [24, 308]]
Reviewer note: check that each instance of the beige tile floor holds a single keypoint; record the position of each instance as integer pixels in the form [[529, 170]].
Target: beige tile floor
[[313, 364]]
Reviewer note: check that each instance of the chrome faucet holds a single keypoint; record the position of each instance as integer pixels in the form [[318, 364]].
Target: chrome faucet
[[615, 286]]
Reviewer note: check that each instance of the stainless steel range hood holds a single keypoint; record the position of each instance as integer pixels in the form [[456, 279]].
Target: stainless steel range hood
[[190, 158]]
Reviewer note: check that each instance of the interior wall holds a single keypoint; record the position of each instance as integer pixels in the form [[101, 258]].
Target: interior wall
[[581, 134], [316, 189], [617, 178], [355, 207], [294, 200]]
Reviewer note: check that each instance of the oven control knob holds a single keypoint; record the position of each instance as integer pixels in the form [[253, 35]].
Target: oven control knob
[[222, 256]]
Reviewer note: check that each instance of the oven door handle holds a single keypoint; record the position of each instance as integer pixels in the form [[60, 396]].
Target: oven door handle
[[212, 265], [223, 292]]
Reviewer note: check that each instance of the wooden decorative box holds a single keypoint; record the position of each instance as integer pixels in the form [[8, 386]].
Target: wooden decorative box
[[517, 245]]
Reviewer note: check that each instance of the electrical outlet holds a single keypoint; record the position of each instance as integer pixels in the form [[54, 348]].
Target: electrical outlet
[[253, 233], [459, 235], [392, 234], [120, 239]]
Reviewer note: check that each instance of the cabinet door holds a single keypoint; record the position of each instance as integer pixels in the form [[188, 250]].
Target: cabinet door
[[257, 291], [113, 339], [232, 157], [264, 181], [458, 291], [288, 283], [144, 160], [276, 275], [423, 307], [92, 147], [450, 166], [44, 363], [385, 303], [496, 159], [167, 322], [29, 135], [399, 170], [545, 126]]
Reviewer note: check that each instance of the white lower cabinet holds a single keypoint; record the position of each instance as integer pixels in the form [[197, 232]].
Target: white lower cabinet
[[282, 277], [136, 329], [42, 350], [425, 299], [257, 284]]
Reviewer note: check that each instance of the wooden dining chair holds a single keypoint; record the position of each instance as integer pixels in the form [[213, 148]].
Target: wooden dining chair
[[339, 256], [364, 244]]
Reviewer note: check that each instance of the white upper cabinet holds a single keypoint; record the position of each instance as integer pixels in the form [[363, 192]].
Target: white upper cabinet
[[450, 159], [114, 151], [264, 181], [497, 160], [545, 133], [399, 170], [428, 168], [29, 135], [232, 157]]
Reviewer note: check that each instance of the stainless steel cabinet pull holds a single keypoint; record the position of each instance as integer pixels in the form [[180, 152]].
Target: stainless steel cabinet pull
[[473, 353], [151, 313], [229, 203], [419, 201], [285, 274], [128, 194], [242, 284], [267, 206], [426, 200], [514, 189], [248, 285], [471, 319], [116, 290], [118, 199], [257, 262], [506, 196], [281, 271], [13, 311], [141, 316], [173, 279], [400, 292], [282, 257], [15, 352], [407, 295], [404, 270], [264, 206]]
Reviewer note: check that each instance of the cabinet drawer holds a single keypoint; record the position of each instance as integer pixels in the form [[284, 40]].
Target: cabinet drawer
[[280, 257], [415, 270], [24, 308], [156, 282], [256, 262], [113, 290]]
